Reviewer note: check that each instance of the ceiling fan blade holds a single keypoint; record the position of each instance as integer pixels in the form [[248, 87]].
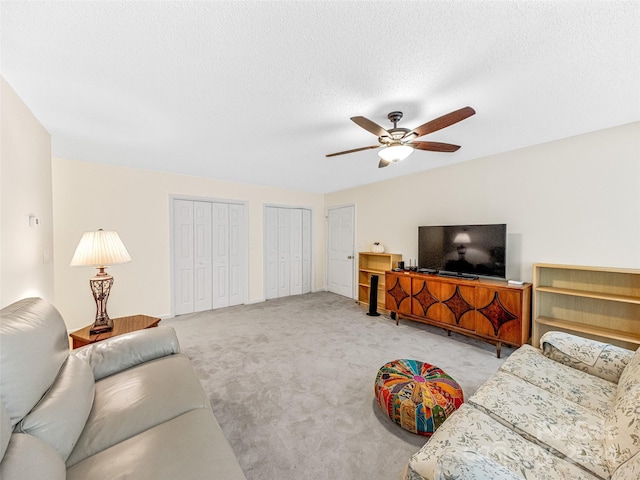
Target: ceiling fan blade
[[442, 122], [434, 146], [383, 163], [370, 126], [352, 151]]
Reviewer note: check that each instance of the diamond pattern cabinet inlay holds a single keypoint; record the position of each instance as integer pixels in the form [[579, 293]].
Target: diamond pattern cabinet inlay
[[397, 294], [425, 298], [497, 313], [458, 305]]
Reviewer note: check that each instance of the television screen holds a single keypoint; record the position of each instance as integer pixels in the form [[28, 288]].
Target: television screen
[[464, 249]]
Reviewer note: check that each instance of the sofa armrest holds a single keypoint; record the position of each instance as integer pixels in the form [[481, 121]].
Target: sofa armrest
[[125, 351], [596, 358], [470, 465]]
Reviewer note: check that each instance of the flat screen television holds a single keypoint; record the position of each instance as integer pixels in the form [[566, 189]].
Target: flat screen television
[[464, 249]]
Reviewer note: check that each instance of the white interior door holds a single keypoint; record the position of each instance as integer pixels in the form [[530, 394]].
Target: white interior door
[[236, 254], [271, 252], [209, 250], [202, 256], [295, 252], [183, 257], [284, 253], [306, 251], [220, 255], [340, 254], [287, 251]]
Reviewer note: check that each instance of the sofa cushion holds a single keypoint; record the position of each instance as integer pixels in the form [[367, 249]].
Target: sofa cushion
[[191, 446], [137, 399], [33, 347], [594, 393], [622, 430], [459, 464], [60, 416], [30, 458], [470, 429], [597, 358], [630, 377], [549, 420]]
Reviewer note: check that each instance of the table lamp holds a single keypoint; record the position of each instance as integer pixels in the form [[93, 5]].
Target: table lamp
[[100, 249]]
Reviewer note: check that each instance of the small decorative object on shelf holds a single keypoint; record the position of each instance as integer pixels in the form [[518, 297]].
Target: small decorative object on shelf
[[377, 247]]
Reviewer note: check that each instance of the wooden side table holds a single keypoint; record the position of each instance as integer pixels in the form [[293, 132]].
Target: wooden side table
[[121, 325]]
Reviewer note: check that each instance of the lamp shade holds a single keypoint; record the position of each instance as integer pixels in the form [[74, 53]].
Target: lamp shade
[[100, 249], [395, 153], [462, 237]]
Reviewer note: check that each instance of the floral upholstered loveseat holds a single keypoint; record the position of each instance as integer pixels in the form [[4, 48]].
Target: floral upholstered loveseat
[[570, 411]]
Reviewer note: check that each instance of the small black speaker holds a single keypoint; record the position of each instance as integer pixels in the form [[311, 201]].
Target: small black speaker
[[373, 297]]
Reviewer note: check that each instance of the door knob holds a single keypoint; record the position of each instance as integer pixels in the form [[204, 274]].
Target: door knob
[[350, 257]]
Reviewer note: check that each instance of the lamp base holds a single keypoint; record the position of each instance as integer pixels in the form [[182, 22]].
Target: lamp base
[[101, 327], [100, 287]]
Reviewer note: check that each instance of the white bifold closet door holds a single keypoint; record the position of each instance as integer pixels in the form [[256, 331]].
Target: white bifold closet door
[[228, 255], [287, 251], [208, 252]]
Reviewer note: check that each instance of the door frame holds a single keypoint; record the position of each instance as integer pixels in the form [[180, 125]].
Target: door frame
[[245, 221], [354, 265], [264, 243]]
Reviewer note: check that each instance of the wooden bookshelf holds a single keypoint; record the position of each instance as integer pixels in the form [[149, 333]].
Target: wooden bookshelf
[[374, 264], [595, 302]]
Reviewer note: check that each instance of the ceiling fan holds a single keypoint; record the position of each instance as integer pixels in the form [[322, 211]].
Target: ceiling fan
[[399, 143]]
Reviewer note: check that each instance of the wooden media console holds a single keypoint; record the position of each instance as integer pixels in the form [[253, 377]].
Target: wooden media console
[[491, 310]]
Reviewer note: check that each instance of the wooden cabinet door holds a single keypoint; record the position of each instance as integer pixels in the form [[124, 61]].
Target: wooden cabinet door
[[443, 302], [423, 297], [457, 305], [398, 293], [499, 313]]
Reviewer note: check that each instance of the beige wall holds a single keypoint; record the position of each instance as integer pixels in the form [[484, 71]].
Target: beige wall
[[574, 201], [135, 203], [26, 258]]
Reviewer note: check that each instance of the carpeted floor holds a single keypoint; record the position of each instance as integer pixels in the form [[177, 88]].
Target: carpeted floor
[[291, 383]]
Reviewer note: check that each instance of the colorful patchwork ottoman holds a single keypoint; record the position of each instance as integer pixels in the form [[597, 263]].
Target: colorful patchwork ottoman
[[416, 395]]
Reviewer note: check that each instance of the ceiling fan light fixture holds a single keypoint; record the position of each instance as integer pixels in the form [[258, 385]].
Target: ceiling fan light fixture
[[409, 137], [395, 153]]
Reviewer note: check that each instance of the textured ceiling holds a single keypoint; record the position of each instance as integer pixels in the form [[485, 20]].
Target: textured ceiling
[[259, 92]]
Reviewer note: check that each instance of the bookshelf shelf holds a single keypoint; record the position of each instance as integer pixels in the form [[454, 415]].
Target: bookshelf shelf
[[596, 302], [374, 264]]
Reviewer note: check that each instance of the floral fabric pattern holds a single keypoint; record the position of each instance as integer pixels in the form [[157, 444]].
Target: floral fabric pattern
[[457, 464], [630, 377], [569, 411], [470, 429], [622, 430], [412, 474], [589, 391], [582, 349], [571, 350], [630, 470], [570, 430]]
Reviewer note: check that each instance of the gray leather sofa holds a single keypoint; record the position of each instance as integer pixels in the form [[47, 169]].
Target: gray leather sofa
[[130, 407]]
